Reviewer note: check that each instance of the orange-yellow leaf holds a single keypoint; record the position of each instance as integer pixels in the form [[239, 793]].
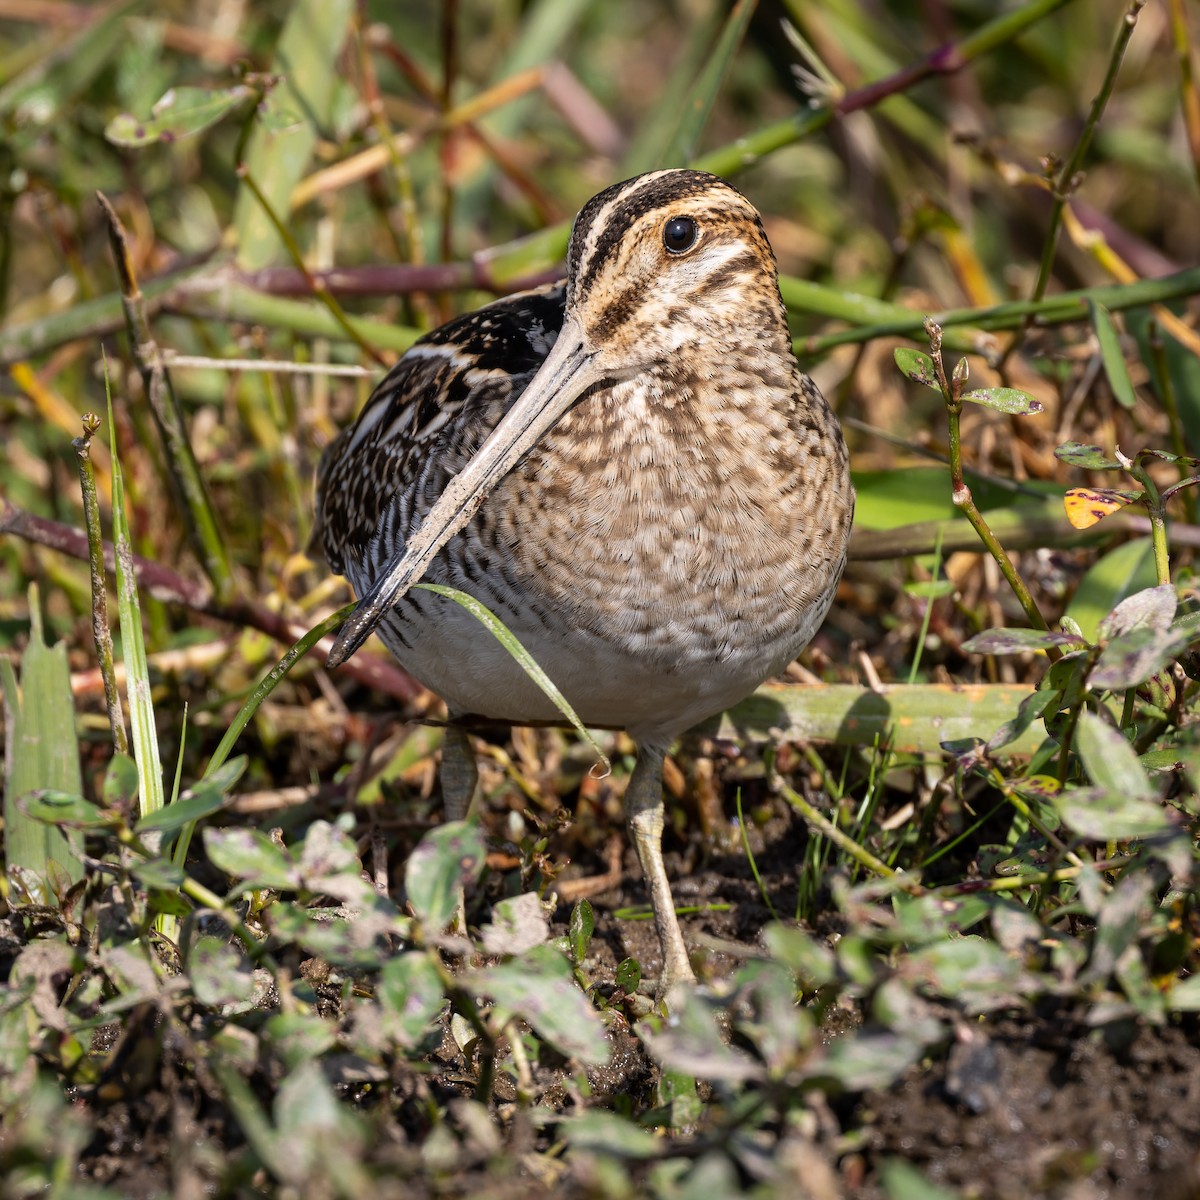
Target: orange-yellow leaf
[[1086, 506]]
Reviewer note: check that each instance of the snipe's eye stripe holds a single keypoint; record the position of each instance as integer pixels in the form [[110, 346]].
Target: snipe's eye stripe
[[607, 218]]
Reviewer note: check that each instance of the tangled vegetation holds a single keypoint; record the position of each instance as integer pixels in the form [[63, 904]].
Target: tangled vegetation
[[941, 881]]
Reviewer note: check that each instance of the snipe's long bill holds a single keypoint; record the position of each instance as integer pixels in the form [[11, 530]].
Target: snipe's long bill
[[628, 468]]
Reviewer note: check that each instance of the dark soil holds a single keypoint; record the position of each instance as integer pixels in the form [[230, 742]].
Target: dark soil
[[1027, 1104]]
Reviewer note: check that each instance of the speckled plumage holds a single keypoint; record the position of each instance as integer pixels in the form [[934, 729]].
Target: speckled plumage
[[670, 540]]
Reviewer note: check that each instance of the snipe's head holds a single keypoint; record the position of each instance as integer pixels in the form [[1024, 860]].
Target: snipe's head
[[669, 263]]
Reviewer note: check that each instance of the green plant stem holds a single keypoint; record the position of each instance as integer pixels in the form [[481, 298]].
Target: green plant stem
[[945, 60], [184, 472], [101, 631], [267, 685], [762, 891], [823, 825], [960, 493], [322, 293], [1016, 883], [1059, 309], [927, 616], [1158, 523], [1068, 178]]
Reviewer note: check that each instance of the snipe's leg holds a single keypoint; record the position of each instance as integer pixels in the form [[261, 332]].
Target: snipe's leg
[[644, 812], [460, 782], [460, 773]]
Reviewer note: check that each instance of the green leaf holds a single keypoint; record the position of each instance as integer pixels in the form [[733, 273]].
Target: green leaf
[[1111, 355], [1006, 400], [194, 805], [604, 1132], [538, 988], [903, 1181], [867, 1060], [1029, 710], [917, 366], [120, 782], [518, 924], [1109, 760], [144, 739], [159, 873], [63, 808], [1087, 456], [444, 860], [410, 998], [1184, 995], [930, 589], [628, 975], [218, 973], [251, 857], [811, 961], [692, 1043], [42, 756], [972, 970], [1016, 641], [580, 929], [180, 113]]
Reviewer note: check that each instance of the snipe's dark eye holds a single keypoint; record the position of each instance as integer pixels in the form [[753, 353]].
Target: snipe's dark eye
[[679, 234]]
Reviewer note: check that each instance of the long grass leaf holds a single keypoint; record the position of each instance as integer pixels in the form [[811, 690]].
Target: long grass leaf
[[289, 121], [40, 752], [133, 645], [703, 93], [523, 658]]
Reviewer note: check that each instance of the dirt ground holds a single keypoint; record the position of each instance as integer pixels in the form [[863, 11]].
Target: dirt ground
[[1027, 1104]]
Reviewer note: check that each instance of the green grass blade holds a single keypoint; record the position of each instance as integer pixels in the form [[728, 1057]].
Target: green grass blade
[[40, 752], [703, 93], [1112, 355], [649, 142], [289, 120], [133, 646], [523, 658]]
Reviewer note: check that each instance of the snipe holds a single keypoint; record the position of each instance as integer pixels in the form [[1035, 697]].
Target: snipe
[[628, 468]]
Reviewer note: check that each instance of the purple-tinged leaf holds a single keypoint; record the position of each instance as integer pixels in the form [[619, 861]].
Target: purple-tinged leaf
[[693, 1043], [1017, 641], [1132, 658], [1110, 761], [444, 860], [252, 857], [1102, 815], [1090, 458], [1152, 607], [538, 988]]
